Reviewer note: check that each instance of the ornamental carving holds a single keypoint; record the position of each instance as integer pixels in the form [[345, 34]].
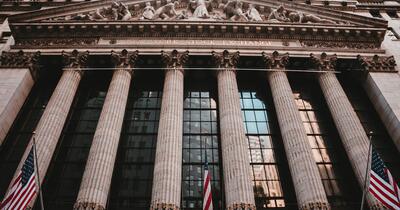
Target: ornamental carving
[[124, 59], [174, 59], [241, 206], [275, 61], [226, 60], [54, 42], [377, 63], [20, 59], [88, 206], [164, 206], [198, 10], [315, 206], [345, 45], [324, 62], [75, 59]]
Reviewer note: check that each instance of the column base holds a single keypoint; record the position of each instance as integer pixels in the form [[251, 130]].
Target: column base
[[377, 207], [164, 206], [88, 206], [316, 206], [241, 206]]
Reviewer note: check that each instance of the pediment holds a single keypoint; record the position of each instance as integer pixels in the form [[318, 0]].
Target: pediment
[[267, 11]]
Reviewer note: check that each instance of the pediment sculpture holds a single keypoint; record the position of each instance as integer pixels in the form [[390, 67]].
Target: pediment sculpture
[[198, 10]]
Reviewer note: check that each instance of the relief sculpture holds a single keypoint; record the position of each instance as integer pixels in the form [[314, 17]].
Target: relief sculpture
[[205, 10]]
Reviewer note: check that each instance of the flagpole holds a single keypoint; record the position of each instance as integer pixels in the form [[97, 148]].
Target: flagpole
[[366, 177], [37, 171]]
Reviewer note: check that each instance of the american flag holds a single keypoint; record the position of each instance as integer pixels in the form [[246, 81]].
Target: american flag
[[23, 188], [207, 195], [382, 184]]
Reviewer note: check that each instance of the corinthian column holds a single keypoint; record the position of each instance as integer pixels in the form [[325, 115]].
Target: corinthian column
[[238, 185], [307, 182], [96, 181], [17, 76], [352, 134], [166, 194], [52, 121]]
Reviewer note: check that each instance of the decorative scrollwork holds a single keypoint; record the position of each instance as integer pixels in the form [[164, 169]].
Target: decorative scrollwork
[[377, 63], [174, 60], [241, 206], [324, 62], [275, 61], [19, 59], [225, 60], [124, 59], [88, 206], [75, 59], [164, 206]]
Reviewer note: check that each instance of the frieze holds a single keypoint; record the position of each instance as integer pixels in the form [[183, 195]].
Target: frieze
[[55, 42], [342, 45]]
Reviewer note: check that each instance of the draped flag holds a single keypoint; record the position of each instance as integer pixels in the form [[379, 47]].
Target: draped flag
[[207, 195], [382, 184], [23, 188]]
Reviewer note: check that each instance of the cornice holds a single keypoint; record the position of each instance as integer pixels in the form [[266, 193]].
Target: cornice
[[257, 30]]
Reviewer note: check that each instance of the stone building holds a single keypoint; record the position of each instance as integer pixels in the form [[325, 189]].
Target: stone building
[[127, 99]]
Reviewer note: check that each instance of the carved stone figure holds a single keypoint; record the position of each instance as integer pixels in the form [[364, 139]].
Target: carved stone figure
[[120, 11], [200, 8], [299, 17], [253, 14], [166, 12], [279, 15], [148, 12], [97, 15], [234, 12]]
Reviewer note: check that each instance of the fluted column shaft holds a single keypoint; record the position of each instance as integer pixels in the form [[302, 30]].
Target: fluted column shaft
[[310, 192], [96, 181], [166, 193], [352, 134], [236, 163], [51, 123]]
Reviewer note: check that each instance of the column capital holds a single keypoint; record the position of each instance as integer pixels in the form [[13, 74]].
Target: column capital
[[21, 59], [275, 60], [124, 59], [324, 62], [75, 60], [174, 60], [377, 63], [226, 60]]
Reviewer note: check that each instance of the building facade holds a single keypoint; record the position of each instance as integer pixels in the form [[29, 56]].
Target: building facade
[[127, 100]]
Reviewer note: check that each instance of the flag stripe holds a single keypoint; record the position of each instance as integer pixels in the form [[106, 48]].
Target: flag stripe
[[383, 193], [388, 192], [24, 187], [382, 198], [382, 185]]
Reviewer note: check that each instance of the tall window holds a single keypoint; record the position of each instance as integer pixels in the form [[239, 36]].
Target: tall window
[[261, 138], [133, 173], [68, 164], [18, 137], [324, 141], [200, 141]]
